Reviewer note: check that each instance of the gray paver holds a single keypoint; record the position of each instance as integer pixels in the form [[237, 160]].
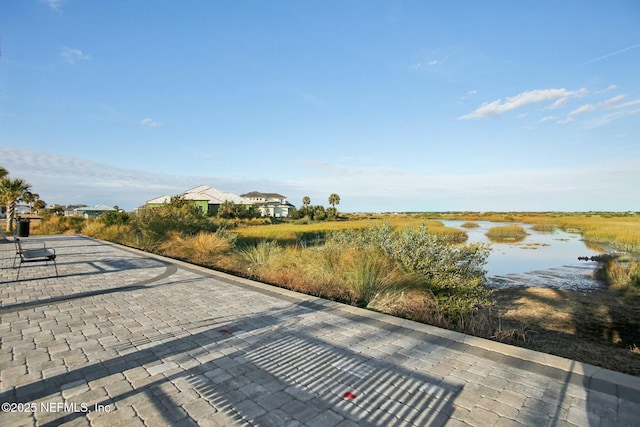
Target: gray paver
[[143, 340]]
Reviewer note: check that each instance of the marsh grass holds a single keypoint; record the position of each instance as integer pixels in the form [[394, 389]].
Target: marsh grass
[[506, 233], [621, 275], [203, 248], [619, 230], [368, 275], [263, 253], [470, 224], [544, 227], [308, 233], [423, 306], [59, 225]]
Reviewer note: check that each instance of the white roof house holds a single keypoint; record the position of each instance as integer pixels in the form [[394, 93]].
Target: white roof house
[[208, 198], [204, 192], [93, 211], [270, 204]]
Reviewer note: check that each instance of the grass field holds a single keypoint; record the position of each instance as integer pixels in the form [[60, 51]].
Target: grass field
[[292, 233]]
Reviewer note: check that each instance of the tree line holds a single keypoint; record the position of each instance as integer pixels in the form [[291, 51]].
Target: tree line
[[317, 212], [14, 190]]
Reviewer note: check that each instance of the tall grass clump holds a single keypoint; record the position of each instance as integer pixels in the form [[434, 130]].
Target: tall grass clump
[[203, 248], [369, 275], [93, 229], [506, 233], [470, 224], [55, 224], [620, 274], [261, 253], [544, 227]]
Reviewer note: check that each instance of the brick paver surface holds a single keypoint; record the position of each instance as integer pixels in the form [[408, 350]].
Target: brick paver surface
[[122, 337]]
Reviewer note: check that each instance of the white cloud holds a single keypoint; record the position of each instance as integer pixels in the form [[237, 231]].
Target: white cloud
[[555, 188], [587, 108], [72, 55], [627, 104], [67, 180], [547, 119], [613, 100], [150, 123], [64, 179], [611, 117], [498, 107], [53, 4], [559, 103], [611, 103], [423, 65]]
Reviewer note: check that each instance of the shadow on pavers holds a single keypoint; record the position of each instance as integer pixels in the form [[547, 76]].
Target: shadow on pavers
[[263, 364]]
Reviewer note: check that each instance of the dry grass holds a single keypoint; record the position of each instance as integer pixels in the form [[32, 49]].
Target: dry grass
[[293, 233], [544, 227], [621, 274], [470, 224], [422, 306], [505, 233], [203, 248]]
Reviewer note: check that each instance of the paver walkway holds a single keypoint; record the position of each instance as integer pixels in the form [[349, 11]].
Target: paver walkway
[[125, 337]]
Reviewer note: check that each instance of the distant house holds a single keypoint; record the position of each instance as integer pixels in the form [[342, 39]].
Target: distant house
[[208, 199], [20, 209], [270, 204], [92, 211]]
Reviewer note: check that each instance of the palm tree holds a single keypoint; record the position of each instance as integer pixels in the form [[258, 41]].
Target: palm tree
[[38, 205], [29, 198], [11, 191], [334, 200], [306, 201]]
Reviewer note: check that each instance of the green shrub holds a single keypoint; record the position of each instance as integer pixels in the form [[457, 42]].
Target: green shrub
[[454, 273], [262, 253], [114, 218], [152, 225]]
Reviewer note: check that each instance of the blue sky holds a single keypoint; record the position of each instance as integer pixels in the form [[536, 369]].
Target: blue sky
[[393, 105]]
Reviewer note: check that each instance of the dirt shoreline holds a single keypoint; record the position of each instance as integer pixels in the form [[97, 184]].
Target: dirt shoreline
[[600, 327]]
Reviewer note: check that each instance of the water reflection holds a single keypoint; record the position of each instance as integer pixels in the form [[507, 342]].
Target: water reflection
[[542, 258]]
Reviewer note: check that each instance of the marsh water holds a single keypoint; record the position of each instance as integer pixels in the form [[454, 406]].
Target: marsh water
[[545, 259]]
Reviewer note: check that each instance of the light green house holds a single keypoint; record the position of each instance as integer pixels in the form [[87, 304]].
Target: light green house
[[208, 199], [92, 211]]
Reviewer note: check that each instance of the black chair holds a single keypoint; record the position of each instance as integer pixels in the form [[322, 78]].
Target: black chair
[[43, 254]]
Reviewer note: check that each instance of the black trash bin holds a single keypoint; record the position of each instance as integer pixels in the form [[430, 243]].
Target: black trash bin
[[23, 227]]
